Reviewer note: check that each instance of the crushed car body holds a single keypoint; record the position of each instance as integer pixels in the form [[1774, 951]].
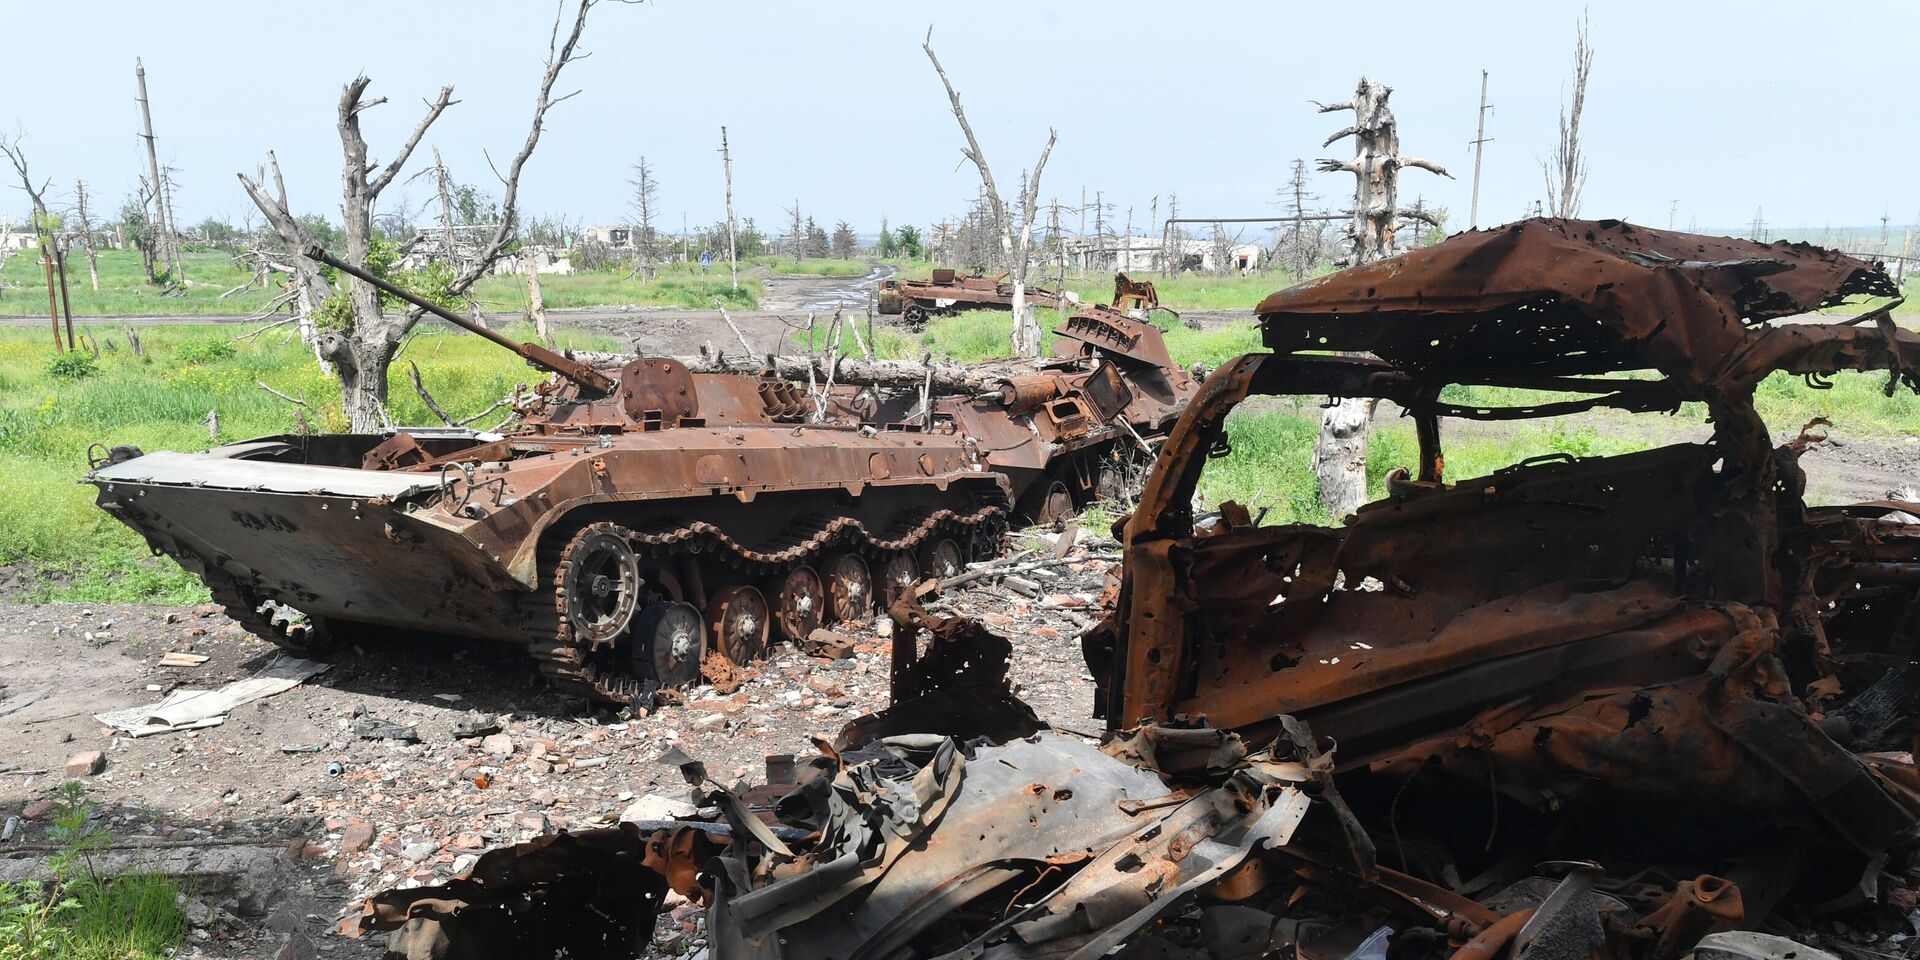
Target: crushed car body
[[1634, 706]]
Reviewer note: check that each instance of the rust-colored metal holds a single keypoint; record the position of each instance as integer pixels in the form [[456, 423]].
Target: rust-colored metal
[[632, 490], [584, 376], [1657, 630], [948, 292], [1554, 690]]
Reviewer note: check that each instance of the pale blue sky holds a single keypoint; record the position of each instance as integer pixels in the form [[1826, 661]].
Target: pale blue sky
[[1723, 106]]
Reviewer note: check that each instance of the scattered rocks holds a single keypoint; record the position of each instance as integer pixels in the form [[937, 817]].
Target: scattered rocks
[[370, 729], [829, 644], [86, 763], [656, 807], [357, 836]]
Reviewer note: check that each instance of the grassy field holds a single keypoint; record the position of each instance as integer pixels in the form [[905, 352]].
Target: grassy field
[[1190, 291], [673, 285], [124, 289], [815, 267], [48, 524], [160, 402]]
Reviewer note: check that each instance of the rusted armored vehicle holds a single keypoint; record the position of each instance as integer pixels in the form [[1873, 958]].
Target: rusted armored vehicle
[[1074, 428], [641, 516], [948, 292]]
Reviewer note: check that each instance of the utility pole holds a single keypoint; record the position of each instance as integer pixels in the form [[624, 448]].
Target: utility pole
[[1759, 226], [1883, 233], [1673, 210], [1479, 143], [1099, 228], [153, 170], [1080, 268], [726, 160]]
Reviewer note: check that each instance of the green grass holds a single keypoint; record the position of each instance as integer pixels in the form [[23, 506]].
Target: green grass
[[124, 289], [817, 267], [48, 521], [673, 285], [160, 402], [1188, 291], [975, 335], [1271, 463], [81, 915]]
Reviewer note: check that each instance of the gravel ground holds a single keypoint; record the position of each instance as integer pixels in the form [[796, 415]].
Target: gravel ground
[[344, 812]]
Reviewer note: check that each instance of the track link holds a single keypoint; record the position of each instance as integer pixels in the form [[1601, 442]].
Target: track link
[[565, 661]]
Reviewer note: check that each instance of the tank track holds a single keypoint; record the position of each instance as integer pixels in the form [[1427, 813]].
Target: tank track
[[273, 622], [564, 661]]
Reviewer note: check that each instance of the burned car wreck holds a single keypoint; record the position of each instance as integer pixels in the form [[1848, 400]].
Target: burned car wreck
[[1633, 706]]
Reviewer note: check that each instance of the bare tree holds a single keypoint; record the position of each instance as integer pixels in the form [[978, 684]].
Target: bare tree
[[86, 233], [1340, 456], [1303, 250], [1567, 175], [796, 232], [1026, 330], [646, 202], [733, 258], [167, 243], [42, 229], [362, 344]]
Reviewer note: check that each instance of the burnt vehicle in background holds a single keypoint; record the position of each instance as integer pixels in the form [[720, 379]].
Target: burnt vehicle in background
[[948, 292], [641, 516]]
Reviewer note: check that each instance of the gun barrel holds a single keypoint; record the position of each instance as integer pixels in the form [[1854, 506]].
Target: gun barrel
[[580, 373]]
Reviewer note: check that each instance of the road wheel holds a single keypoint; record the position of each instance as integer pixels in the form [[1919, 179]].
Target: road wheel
[[799, 603], [669, 640], [739, 621], [897, 578], [914, 317], [599, 584], [941, 557], [1057, 505], [849, 588]]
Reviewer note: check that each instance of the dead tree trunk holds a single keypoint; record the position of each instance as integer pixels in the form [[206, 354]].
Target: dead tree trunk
[[444, 185], [42, 227], [362, 344], [1026, 329], [164, 239], [86, 234], [536, 304], [726, 161], [1340, 456], [310, 288], [1567, 175]]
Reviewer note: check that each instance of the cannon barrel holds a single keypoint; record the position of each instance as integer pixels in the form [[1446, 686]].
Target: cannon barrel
[[580, 373]]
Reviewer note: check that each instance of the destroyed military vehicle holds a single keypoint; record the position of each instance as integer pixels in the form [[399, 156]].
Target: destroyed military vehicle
[[639, 517], [1642, 706], [948, 292]]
